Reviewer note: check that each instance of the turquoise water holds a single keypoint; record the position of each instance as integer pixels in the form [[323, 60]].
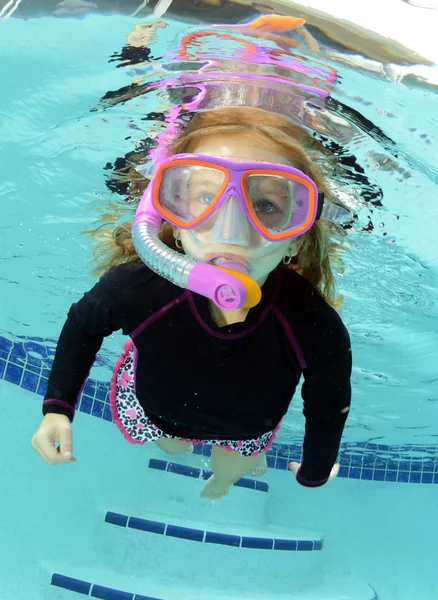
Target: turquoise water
[[377, 519]]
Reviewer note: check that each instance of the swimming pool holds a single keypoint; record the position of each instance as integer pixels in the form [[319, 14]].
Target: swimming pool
[[100, 528]]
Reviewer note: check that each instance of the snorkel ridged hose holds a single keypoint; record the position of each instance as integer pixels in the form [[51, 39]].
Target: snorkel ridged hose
[[158, 257]]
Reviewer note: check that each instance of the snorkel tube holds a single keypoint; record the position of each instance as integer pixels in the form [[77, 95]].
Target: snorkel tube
[[225, 285]]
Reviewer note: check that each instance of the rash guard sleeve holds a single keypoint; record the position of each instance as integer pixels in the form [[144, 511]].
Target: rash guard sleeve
[[97, 314], [326, 394]]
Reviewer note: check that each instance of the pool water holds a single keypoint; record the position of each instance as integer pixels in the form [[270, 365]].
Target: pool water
[[377, 520]]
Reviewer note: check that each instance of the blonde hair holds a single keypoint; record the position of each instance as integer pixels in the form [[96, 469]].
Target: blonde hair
[[315, 248]]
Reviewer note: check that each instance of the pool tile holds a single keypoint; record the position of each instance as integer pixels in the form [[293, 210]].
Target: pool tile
[[367, 474], [34, 363], [107, 414], [282, 463], [13, 374], [69, 583], [283, 452], [257, 542], [343, 471], [305, 545], [2, 368], [403, 476], [246, 483], [380, 464], [5, 344], [379, 475], [271, 461], [404, 465], [391, 475], [185, 533], [224, 539], [141, 597], [416, 466], [89, 388], [101, 391], [354, 473], [97, 410], [183, 470], [291, 545], [427, 477], [146, 525], [262, 486], [18, 349], [30, 381], [106, 593], [160, 465], [85, 405], [42, 386], [415, 477], [116, 519]]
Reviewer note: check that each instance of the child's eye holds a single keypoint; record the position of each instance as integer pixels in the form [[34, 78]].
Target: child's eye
[[205, 198], [265, 206]]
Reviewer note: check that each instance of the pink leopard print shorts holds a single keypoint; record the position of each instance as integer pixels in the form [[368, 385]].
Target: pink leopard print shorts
[[137, 428]]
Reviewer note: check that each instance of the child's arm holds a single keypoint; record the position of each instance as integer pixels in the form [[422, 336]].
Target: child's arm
[[89, 321], [326, 394]]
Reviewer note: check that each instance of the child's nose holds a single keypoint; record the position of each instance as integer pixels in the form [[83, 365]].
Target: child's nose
[[232, 225]]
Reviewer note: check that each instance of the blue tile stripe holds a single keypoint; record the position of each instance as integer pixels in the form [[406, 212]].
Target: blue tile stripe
[[212, 537], [95, 590], [171, 467], [27, 363], [107, 593]]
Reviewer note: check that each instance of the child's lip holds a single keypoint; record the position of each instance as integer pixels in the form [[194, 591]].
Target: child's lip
[[227, 256]]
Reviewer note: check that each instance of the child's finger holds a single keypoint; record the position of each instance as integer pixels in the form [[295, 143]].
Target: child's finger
[[335, 471], [294, 466]]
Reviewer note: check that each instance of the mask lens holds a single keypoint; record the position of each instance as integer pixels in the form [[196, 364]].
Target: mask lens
[[187, 191], [280, 203]]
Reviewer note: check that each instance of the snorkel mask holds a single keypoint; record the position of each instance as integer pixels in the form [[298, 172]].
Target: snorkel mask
[[219, 198]]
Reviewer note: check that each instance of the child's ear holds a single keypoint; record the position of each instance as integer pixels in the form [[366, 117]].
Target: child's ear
[[293, 247]]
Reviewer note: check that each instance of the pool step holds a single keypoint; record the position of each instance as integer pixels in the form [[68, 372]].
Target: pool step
[[200, 473], [270, 539], [196, 553], [333, 589], [175, 489]]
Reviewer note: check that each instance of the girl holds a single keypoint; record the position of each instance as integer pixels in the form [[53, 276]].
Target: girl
[[236, 187]]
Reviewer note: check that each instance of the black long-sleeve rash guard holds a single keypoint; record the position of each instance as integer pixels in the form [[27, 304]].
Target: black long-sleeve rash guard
[[200, 381]]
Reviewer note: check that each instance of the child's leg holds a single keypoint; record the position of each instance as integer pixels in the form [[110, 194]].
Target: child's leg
[[228, 467], [173, 446]]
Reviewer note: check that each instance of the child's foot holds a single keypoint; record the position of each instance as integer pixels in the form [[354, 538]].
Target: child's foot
[[214, 490], [260, 468]]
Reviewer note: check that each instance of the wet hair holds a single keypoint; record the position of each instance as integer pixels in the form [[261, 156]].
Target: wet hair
[[317, 249]]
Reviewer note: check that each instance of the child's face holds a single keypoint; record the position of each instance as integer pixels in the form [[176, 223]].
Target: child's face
[[260, 257]]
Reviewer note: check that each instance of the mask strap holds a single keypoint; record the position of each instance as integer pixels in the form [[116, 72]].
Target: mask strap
[[330, 211]]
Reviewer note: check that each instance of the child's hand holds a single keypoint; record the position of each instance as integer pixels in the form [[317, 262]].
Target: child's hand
[[294, 466], [54, 428]]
